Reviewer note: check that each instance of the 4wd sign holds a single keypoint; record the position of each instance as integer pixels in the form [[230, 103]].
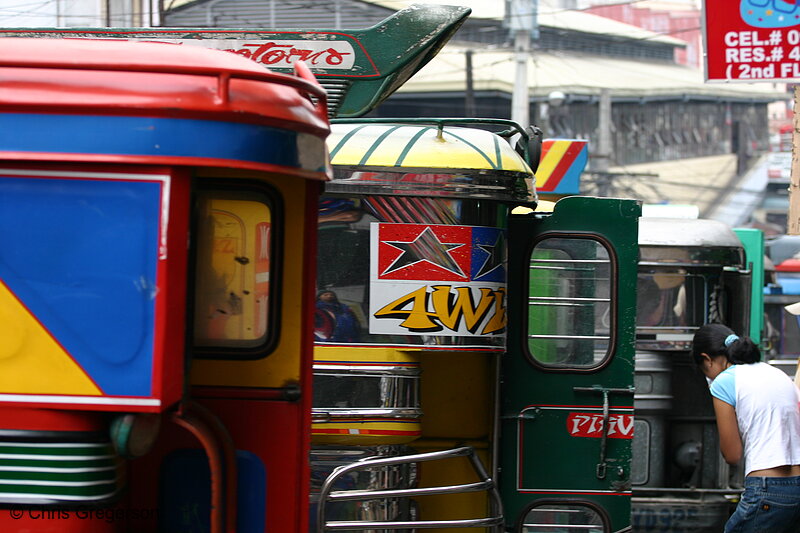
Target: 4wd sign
[[752, 40], [431, 279]]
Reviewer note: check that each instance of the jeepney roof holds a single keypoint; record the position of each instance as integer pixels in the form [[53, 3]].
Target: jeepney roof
[[688, 242], [99, 75], [126, 102], [422, 146], [686, 232]]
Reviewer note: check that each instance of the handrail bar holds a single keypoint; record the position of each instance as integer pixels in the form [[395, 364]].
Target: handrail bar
[[421, 524], [346, 495]]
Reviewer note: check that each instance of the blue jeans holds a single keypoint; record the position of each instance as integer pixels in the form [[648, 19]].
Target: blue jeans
[[768, 505]]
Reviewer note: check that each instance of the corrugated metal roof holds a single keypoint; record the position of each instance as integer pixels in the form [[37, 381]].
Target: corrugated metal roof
[[588, 23], [267, 14], [488, 9], [567, 19], [577, 75], [363, 13]]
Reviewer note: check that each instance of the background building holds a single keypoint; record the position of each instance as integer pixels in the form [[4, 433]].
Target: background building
[[78, 13]]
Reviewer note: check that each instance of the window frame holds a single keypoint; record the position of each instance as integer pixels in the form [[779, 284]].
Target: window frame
[[613, 304], [235, 188], [601, 512]]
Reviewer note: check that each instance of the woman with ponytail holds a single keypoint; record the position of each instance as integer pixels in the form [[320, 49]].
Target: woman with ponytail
[[758, 418]]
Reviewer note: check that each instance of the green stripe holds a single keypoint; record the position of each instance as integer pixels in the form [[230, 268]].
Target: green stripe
[[55, 492], [377, 143], [107, 475], [410, 144], [19, 474], [58, 463], [481, 152], [39, 450], [344, 139]]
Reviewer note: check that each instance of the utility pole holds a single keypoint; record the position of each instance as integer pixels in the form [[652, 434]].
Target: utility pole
[[603, 155], [469, 98], [794, 184], [520, 101], [522, 25]]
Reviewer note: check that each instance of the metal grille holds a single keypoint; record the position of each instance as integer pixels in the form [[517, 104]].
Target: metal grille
[[336, 89]]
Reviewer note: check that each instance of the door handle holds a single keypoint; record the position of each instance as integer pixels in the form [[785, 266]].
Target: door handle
[[602, 465]]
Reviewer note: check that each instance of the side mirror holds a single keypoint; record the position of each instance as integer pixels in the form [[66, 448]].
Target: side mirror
[[533, 150]]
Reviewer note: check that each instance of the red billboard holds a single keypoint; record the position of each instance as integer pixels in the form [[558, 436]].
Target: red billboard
[[752, 40]]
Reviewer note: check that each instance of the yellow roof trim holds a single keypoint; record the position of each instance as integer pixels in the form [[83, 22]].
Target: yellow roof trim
[[421, 146]]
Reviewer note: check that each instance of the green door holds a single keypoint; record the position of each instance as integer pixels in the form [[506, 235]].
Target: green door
[[567, 385]]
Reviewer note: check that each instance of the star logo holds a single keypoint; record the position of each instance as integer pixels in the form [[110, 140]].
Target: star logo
[[495, 258], [426, 247]]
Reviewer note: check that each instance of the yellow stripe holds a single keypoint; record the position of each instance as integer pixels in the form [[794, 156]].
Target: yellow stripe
[[31, 362], [549, 162], [363, 354]]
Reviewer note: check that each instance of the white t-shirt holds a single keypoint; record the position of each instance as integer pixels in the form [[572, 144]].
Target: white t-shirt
[[767, 410]]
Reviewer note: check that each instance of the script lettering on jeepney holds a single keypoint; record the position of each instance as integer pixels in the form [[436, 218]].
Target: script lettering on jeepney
[[591, 425], [323, 54]]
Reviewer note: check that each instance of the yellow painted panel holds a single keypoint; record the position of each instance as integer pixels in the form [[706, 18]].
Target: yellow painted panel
[[365, 354], [457, 394], [282, 366], [31, 361]]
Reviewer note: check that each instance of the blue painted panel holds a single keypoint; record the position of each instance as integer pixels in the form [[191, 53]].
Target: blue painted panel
[[148, 136], [81, 255], [571, 182], [185, 493]]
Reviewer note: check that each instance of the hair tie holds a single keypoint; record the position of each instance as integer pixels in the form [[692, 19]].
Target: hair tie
[[730, 339]]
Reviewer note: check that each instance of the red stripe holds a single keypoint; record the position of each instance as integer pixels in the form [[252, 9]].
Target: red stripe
[[147, 159], [562, 167], [365, 432], [628, 494], [371, 420], [595, 406], [416, 347], [363, 363]]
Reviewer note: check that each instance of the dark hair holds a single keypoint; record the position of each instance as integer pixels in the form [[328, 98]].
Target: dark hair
[[711, 339]]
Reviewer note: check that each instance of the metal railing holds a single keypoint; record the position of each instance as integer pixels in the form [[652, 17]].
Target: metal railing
[[328, 495]]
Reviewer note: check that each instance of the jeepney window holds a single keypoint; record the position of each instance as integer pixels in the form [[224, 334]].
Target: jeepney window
[[672, 302], [557, 516], [569, 303], [665, 297], [662, 300], [233, 256]]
